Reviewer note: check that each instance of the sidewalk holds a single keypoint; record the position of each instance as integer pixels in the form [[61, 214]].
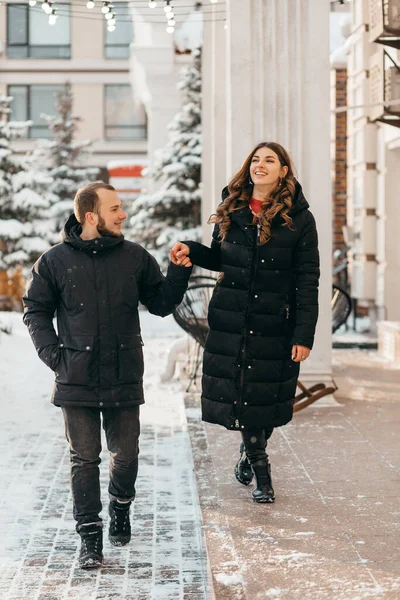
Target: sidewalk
[[165, 560], [334, 530]]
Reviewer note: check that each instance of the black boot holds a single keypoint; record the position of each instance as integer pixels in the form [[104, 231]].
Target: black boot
[[263, 492], [243, 472], [120, 527], [91, 553]]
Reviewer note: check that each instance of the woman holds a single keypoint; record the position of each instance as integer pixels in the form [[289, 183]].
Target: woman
[[264, 308]]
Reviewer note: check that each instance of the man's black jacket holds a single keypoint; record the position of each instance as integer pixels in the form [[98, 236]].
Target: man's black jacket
[[95, 286]]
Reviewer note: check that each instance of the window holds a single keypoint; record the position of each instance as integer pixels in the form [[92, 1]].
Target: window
[[30, 102], [123, 121], [116, 43], [29, 34]]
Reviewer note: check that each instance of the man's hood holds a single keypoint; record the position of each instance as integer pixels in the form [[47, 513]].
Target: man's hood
[[71, 234]]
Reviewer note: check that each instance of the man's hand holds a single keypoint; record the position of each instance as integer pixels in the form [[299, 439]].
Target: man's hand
[[179, 255], [300, 353]]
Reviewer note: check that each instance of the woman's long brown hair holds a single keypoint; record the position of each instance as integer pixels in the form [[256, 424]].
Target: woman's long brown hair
[[240, 192]]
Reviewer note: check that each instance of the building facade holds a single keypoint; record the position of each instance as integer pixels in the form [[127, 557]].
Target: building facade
[[373, 124], [36, 59]]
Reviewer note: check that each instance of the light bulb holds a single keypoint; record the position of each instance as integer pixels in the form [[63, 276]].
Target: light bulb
[[171, 23], [90, 4], [32, 2], [152, 4], [109, 15], [111, 28], [111, 22], [170, 29], [45, 6], [168, 8], [213, 1], [105, 8], [52, 17]]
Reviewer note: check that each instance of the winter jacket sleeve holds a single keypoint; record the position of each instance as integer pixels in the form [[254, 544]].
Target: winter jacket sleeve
[[306, 267], [40, 303], [158, 293], [202, 256]]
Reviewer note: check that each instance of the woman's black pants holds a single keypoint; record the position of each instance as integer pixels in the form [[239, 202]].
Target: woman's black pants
[[255, 443]]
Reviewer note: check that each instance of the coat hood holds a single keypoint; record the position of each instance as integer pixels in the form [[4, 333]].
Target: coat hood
[[71, 234]]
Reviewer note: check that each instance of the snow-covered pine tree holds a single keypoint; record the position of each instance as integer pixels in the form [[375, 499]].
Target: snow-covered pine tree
[[160, 218], [21, 209], [63, 158]]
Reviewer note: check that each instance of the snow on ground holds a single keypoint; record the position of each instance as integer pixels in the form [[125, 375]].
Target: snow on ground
[[38, 544]]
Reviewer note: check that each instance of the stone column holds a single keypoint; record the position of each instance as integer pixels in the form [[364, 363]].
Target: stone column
[[277, 88], [214, 171]]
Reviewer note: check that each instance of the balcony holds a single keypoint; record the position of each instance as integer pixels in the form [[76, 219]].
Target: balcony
[[384, 22], [384, 76]]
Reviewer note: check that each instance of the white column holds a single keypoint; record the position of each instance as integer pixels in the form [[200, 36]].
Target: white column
[[214, 173], [277, 89]]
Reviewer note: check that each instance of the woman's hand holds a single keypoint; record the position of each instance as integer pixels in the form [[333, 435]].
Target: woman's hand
[[300, 353], [179, 255]]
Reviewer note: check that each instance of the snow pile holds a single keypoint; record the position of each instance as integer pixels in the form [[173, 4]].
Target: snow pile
[[229, 578]]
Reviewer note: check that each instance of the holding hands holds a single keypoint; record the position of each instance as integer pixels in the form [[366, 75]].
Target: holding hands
[[179, 255]]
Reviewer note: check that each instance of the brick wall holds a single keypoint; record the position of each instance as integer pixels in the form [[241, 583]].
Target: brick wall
[[339, 157]]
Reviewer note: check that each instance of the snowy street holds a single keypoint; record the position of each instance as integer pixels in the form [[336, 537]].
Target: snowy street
[[38, 543]]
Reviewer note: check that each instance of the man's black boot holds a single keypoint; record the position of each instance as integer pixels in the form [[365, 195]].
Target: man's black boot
[[91, 553], [120, 527], [263, 492], [243, 472]]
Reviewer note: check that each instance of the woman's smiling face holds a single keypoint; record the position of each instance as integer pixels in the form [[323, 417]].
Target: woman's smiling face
[[265, 168]]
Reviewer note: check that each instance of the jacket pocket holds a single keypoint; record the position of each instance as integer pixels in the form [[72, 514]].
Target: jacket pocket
[[130, 358], [77, 364]]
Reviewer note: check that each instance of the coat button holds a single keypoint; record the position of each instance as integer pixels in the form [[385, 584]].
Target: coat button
[[255, 295], [262, 260], [245, 403], [242, 426], [251, 331], [117, 404], [87, 347], [235, 402], [100, 404], [249, 367], [61, 345], [94, 251]]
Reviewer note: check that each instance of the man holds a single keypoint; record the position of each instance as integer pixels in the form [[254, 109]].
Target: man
[[94, 281]]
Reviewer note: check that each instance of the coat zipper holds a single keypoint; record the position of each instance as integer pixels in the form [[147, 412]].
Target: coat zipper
[[251, 290]]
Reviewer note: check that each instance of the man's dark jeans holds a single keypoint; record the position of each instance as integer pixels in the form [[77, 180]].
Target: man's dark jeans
[[83, 432]]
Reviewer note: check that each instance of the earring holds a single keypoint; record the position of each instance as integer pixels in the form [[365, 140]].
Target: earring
[[250, 181]]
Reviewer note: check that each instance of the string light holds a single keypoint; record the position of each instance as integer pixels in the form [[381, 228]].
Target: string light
[[46, 6], [167, 7], [90, 4], [213, 1], [111, 22], [109, 15], [152, 4], [111, 28], [32, 2], [52, 17], [105, 8]]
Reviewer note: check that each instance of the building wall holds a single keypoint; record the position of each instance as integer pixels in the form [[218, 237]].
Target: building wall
[[374, 164], [88, 72], [339, 156]]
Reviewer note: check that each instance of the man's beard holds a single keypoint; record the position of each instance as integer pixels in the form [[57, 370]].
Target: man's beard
[[102, 229]]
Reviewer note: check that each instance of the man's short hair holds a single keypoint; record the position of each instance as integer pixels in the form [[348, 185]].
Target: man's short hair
[[87, 200]]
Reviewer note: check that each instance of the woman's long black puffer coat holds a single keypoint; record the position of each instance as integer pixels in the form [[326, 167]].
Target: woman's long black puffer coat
[[265, 301]]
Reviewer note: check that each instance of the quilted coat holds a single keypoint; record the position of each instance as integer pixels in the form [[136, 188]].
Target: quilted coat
[[265, 301], [94, 287]]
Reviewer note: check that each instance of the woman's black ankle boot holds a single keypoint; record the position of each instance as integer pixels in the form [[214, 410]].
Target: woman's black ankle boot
[[263, 492]]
